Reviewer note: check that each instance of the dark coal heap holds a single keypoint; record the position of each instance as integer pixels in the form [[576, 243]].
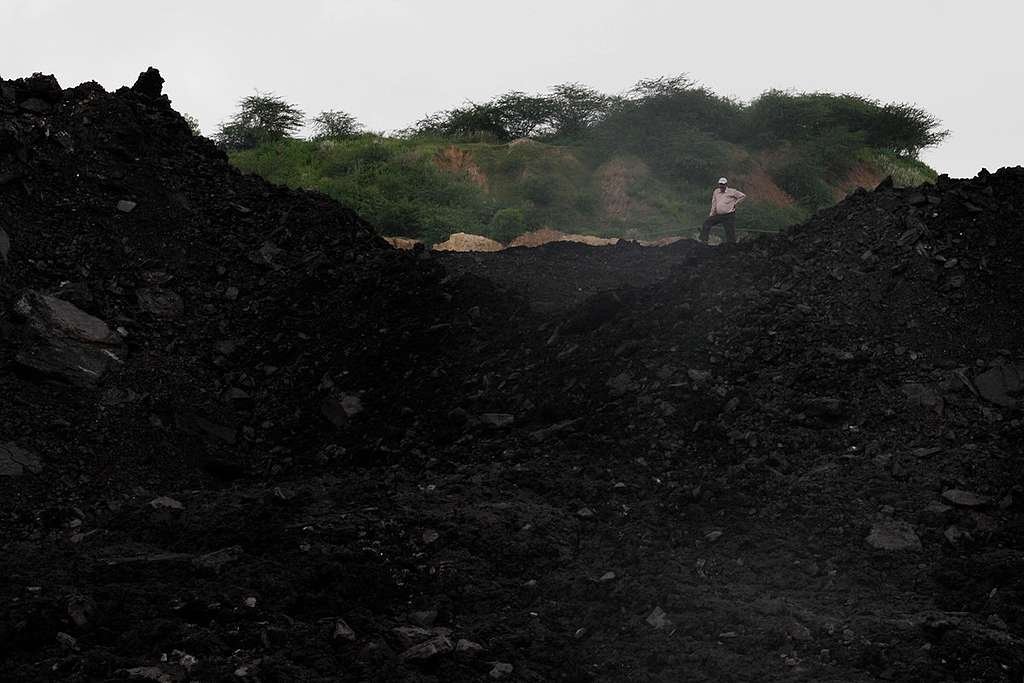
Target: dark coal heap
[[243, 439]]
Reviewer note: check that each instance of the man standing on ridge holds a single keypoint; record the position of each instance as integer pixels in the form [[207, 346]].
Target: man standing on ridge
[[724, 201]]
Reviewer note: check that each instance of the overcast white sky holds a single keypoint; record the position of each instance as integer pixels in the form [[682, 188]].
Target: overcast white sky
[[391, 61]]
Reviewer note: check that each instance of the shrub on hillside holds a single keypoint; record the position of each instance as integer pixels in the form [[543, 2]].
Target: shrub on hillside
[[335, 125], [507, 224], [470, 121], [508, 117], [834, 151], [804, 183], [355, 154], [539, 190], [674, 125], [671, 150], [683, 101], [576, 108], [905, 172]]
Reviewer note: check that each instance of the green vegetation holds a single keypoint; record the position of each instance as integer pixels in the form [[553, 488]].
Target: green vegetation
[[390, 182], [905, 171], [261, 118], [639, 165], [335, 125]]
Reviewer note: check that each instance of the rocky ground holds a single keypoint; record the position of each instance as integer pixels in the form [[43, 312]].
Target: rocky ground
[[243, 439]]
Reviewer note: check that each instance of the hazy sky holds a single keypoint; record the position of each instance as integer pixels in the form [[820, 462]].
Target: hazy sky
[[389, 62]]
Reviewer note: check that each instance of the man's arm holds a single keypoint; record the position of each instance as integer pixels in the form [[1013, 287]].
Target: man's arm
[[712, 212], [738, 196]]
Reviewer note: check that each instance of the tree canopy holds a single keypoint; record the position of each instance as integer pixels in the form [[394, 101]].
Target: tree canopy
[[335, 125], [657, 111], [262, 117]]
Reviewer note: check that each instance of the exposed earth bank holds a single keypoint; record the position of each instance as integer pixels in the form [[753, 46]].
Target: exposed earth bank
[[242, 438]]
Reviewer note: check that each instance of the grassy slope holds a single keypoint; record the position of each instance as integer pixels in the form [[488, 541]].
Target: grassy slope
[[424, 188]]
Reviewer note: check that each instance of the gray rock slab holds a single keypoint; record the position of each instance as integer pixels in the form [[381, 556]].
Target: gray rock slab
[[893, 535], [16, 461]]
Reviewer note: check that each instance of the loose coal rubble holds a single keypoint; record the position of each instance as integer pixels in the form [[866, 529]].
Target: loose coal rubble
[[243, 439]]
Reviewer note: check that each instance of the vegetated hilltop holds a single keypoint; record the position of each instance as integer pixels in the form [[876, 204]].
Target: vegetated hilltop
[[243, 439], [576, 160]]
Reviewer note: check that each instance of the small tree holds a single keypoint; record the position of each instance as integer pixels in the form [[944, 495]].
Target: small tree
[[463, 122], [335, 125], [263, 117], [906, 129], [503, 119], [522, 115]]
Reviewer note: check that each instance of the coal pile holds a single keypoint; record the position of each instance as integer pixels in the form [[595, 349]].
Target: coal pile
[[559, 276], [134, 250], [243, 439]]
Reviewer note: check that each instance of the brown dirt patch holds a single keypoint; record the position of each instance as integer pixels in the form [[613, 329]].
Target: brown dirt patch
[[453, 159], [591, 240], [406, 243], [860, 176], [660, 242], [537, 238], [615, 178], [462, 241], [761, 185], [544, 236]]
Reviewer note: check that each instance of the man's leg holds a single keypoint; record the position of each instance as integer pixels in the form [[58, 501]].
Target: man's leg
[[705, 230], [729, 223]]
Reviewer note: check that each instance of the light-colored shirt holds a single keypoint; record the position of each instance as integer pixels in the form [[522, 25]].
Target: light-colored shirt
[[725, 202]]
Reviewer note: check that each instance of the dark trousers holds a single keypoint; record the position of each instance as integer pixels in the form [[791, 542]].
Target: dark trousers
[[726, 220]]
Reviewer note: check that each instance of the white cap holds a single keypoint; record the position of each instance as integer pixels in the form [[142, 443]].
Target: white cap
[[723, 181]]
